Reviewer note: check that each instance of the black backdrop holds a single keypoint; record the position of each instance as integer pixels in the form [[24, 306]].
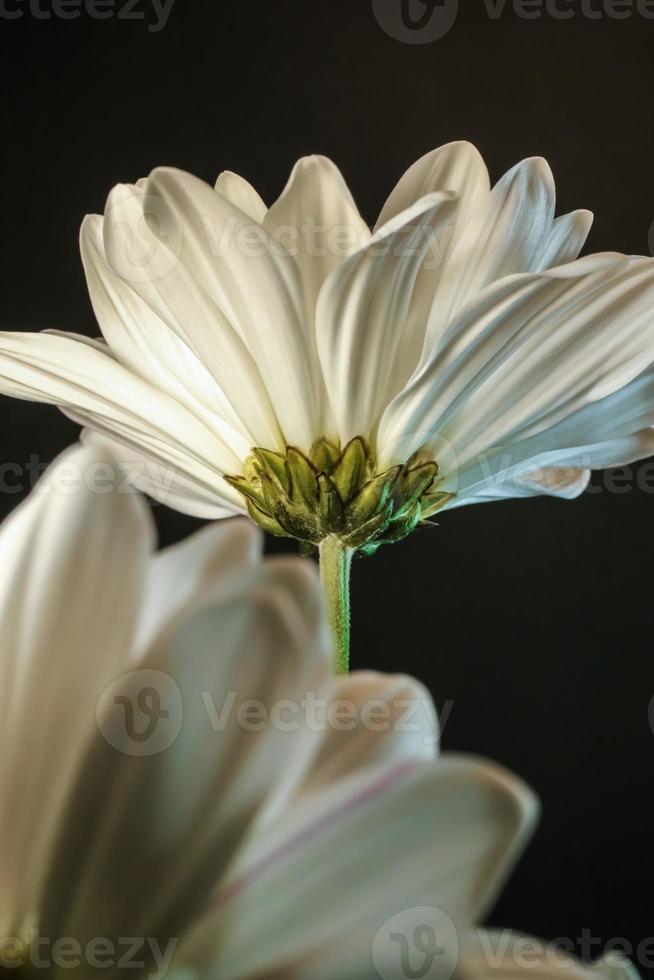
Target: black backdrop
[[531, 619]]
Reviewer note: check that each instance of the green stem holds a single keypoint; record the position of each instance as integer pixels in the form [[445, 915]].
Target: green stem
[[335, 562]]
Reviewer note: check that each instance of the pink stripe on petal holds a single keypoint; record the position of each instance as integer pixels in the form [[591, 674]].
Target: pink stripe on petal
[[378, 788]]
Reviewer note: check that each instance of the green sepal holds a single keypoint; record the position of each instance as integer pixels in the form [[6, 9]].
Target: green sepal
[[403, 526], [295, 518], [297, 521], [373, 498], [366, 550], [434, 502], [330, 507], [265, 520], [420, 457], [253, 491], [376, 525], [271, 492], [303, 486], [324, 455], [274, 465], [352, 469], [413, 484], [336, 493]]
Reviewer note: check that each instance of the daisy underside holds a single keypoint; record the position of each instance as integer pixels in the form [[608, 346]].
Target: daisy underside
[[339, 492]]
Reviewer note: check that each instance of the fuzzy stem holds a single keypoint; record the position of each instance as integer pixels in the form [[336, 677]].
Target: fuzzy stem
[[335, 562]]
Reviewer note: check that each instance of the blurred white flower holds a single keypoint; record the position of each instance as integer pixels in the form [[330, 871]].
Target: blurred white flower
[[233, 843], [461, 346]]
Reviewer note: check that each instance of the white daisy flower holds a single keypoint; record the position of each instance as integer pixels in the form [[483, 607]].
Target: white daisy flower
[[342, 386], [170, 839]]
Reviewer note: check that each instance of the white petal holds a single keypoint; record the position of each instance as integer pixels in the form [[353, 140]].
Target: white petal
[[531, 351], [367, 720], [195, 566], [141, 341], [75, 558], [567, 483], [410, 834], [565, 241], [98, 391], [98, 343], [234, 274], [383, 719], [317, 221], [507, 955], [147, 837], [613, 431], [506, 235], [564, 482], [456, 167], [174, 482], [144, 245], [237, 190], [362, 308]]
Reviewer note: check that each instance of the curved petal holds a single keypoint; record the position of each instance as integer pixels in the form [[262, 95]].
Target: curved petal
[[318, 222], [238, 275], [242, 194], [195, 567], [368, 720], [507, 955], [361, 312], [141, 341], [96, 390], [372, 720], [456, 167], [530, 352], [565, 241], [610, 432], [172, 262], [75, 545], [170, 480], [171, 827], [567, 483], [445, 834], [507, 234]]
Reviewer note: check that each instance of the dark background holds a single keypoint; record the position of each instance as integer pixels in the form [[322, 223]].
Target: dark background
[[534, 618]]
